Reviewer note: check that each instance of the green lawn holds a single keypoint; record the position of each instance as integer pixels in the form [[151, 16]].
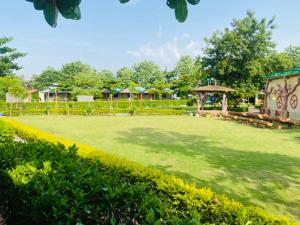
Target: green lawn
[[252, 165]]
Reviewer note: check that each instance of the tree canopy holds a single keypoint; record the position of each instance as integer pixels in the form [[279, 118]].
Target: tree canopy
[[187, 74], [79, 78], [13, 86], [236, 56], [7, 58], [70, 9], [146, 73]]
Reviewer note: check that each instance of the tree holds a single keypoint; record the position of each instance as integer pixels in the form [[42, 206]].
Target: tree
[[108, 79], [65, 77], [124, 77], [187, 73], [46, 78], [146, 73], [294, 53], [70, 9], [235, 56], [13, 86], [7, 57], [277, 62], [88, 80], [87, 83], [69, 72]]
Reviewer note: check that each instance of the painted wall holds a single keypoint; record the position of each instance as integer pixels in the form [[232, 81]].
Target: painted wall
[[275, 100]]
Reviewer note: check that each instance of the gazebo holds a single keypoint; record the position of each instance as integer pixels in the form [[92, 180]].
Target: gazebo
[[202, 94]]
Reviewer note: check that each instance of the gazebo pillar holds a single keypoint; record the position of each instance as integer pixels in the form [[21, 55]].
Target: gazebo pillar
[[199, 102], [224, 104]]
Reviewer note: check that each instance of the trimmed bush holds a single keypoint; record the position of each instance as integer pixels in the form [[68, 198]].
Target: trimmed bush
[[43, 183], [92, 108], [156, 198]]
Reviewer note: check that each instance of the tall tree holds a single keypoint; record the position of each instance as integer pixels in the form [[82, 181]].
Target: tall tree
[[7, 58], [87, 83], [88, 80], [46, 78], [107, 78], [124, 77], [188, 74], [146, 73], [68, 73], [235, 56]]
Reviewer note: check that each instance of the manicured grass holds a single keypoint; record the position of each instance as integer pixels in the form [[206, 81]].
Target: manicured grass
[[252, 165]]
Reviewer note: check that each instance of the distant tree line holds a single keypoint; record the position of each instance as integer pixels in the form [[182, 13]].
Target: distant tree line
[[236, 57], [80, 78]]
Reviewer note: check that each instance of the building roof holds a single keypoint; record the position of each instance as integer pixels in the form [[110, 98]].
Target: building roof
[[212, 88], [117, 90], [140, 89], [286, 73], [150, 90], [31, 91], [53, 91], [106, 91], [168, 90], [125, 91]]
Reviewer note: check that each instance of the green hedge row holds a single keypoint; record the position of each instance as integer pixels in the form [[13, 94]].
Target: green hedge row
[[93, 112], [48, 183], [120, 104]]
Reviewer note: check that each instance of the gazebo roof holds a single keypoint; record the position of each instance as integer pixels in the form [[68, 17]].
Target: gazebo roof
[[212, 88]]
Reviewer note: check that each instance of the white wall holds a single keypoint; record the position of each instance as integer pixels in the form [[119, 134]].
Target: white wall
[[85, 98], [12, 99]]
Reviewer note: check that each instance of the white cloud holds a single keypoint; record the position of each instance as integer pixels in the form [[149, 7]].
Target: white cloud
[[167, 53]]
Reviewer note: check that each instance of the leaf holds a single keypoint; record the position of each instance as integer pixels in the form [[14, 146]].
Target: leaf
[[51, 14], [39, 4], [181, 11], [171, 4], [193, 2], [124, 1], [75, 15], [66, 7]]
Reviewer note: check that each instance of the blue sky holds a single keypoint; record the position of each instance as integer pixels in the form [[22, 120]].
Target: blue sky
[[111, 35]]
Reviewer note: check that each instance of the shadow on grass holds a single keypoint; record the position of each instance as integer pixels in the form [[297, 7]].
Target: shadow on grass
[[263, 175], [295, 132]]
